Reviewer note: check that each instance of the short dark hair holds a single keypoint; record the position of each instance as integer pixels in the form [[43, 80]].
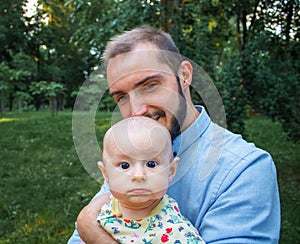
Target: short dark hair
[[128, 40]]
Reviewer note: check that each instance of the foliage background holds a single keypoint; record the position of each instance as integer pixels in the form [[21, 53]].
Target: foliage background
[[249, 48]]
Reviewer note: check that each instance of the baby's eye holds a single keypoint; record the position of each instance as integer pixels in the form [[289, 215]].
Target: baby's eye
[[124, 165], [151, 164]]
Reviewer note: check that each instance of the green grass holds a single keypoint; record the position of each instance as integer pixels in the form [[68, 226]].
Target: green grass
[[43, 184], [269, 136]]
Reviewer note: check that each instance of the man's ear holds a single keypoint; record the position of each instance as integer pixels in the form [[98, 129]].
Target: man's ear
[[173, 167], [102, 168], [185, 73]]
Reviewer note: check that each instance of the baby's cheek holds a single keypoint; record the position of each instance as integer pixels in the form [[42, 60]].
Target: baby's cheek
[[118, 187]]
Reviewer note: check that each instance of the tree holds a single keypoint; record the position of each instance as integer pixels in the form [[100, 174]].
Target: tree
[[12, 43], [270, 63], [12, 28], [48, 42], [249, 48], [50, 90], [4, 77]]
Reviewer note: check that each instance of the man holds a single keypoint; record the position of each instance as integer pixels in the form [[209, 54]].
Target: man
[[225, 186]]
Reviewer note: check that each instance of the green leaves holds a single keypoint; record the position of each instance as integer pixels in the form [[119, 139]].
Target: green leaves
[[63, 41], [47, 88]]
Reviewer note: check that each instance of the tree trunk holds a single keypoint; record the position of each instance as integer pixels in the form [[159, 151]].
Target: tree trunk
[[53, 106], [2, 102], [11, 101], [60, 102], [238, 32], [169, 17], [289, 10], [245, 30]]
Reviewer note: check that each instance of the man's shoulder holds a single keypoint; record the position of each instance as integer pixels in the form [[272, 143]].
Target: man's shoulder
[[234, 145], [222, 154]]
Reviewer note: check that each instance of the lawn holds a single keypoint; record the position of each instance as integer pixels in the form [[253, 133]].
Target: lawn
[[43, 184]]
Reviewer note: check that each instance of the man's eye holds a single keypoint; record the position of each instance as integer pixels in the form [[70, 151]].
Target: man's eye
[[124, 165], [121, 98], [150, 86], [151, 164]]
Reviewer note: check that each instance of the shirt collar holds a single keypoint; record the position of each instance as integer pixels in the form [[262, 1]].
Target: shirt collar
[[192, 133]]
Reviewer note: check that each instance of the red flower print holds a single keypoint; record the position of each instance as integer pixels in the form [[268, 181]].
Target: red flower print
[[175, 207], [164, 238], [169, 230], [127, 220]]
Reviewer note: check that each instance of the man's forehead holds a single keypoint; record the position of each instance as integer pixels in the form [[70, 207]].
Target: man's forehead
[[134, 63]]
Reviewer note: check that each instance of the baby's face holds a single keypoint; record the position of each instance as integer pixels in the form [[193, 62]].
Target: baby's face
[[138, 162]]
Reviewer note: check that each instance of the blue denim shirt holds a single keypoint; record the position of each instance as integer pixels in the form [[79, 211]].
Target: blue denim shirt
[[225, 186]]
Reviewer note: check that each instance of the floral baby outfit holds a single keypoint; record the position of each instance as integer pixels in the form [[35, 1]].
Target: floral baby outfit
[[164, 225]]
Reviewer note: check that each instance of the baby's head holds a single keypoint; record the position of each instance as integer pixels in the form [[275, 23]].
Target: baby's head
[[138, 158], [138, 137]]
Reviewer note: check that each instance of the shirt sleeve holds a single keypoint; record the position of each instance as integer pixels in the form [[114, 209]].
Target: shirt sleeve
[[246, 208], [75, 238], [104, 189]]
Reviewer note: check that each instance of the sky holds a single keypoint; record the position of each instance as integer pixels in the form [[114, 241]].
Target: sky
[[30, 8]]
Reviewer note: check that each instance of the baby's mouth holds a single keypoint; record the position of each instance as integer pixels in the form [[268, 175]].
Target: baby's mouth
[[138, 191]]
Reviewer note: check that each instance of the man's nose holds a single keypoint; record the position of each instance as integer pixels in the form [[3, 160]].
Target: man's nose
[[138, 107], [138, 173]]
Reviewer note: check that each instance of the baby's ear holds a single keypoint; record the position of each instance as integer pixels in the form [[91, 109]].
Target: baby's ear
[[173, 167], [102, 168]]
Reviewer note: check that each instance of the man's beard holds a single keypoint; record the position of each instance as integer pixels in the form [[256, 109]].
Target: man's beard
[[178, 119]]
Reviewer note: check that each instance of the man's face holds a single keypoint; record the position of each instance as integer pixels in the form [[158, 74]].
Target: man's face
[[142, 85]]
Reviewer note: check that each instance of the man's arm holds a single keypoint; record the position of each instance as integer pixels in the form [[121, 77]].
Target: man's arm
[[87, 226], [247, 208]]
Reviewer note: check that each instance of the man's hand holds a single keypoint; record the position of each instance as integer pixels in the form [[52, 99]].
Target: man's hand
[[88, 228]]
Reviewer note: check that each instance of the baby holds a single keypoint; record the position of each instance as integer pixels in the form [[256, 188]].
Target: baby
[[138, 165]]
